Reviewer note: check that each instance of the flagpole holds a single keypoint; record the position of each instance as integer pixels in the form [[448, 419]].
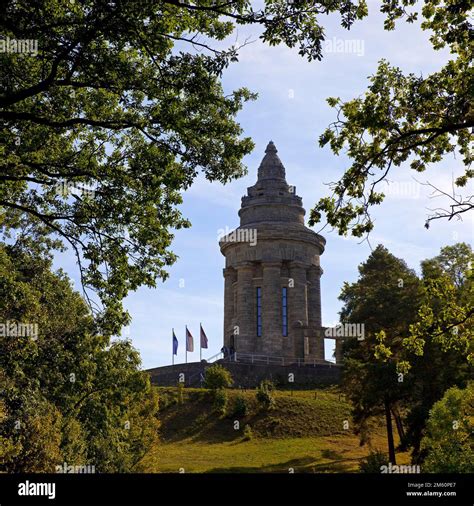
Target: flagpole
[[200, 342], [172, 347], [186, 339]]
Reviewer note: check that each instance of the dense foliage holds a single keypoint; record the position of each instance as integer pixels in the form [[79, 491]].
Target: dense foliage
[[413, 119], [68, 395], [448, 442], [418, 341], [112, 118]]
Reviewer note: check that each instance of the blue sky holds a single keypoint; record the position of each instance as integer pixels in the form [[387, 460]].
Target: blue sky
[[292, 111]]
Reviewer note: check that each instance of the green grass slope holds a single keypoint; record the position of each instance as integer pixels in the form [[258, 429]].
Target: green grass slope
[[305, 431]]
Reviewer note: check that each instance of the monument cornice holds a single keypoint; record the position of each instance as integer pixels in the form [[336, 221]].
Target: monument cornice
[[279, 231]]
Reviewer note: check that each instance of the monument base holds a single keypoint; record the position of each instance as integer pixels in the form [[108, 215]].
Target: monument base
[[246, 375]]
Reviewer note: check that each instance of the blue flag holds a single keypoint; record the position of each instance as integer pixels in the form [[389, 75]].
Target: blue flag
[[175, 344]]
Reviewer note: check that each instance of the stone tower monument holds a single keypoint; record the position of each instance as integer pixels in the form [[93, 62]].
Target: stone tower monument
[[272, 298]]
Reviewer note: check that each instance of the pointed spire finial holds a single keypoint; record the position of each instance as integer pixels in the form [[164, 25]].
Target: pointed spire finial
[[271, 166], [271, 148]]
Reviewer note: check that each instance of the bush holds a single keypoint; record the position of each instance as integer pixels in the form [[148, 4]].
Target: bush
[[265, 395], [374, 462], [220, 401], [166, 399], [217, 377], [448, 438], [180, 392], [248, 434], [240, 406]]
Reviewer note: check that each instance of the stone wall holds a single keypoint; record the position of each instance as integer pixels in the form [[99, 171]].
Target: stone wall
[[249, 375]]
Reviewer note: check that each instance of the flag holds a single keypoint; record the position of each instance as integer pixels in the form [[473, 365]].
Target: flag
[[189, 341], [175, 344], [203, 338]]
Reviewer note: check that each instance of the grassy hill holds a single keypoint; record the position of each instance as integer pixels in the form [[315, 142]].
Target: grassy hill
[[305, 431]]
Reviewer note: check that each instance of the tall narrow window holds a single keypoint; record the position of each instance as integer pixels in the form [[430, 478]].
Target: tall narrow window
[[284, 307], [259, 312]]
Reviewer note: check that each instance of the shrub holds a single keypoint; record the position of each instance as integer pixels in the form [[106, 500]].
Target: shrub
[[374, 462], [448, 438], [166, 399], [265, 395], [180, 392], [240, 406], [217, 377], [199, 422], [248, 434], [220, 401]]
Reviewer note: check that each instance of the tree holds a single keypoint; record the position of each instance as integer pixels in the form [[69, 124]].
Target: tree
[[68, 393], [455, 262], [439, 350], [110, 120], [446, 317], [385, 300], [448, 441], [404, 118]]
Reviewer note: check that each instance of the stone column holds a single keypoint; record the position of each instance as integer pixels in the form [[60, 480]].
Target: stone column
[[245, 311], [298, 306], [230, 276], [338, 353], [271, 308], [316, 344]]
